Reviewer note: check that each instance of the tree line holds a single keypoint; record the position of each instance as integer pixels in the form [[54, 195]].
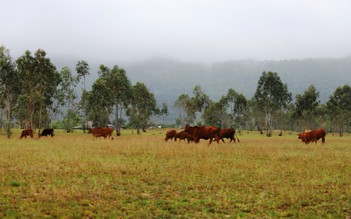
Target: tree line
[[270, 108], [33, 91]]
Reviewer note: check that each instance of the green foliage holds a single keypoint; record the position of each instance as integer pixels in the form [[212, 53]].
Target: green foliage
[[339, 106], [143, 106], [271, 95], [100, 101], [71, 119], [119, 86], [9, 89], [306, 107]]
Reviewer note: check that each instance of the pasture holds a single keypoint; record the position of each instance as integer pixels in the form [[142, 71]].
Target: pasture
[[75, 176]]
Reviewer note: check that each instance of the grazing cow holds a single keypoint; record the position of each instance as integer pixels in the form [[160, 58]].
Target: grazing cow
[[47, 132], [170, 134], [27, 132], [184, 135], [101, 132], [312, 136], [227, 133], [203, 132]]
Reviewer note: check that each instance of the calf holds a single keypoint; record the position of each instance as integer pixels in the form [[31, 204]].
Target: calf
[[171, 134], [184, 135]]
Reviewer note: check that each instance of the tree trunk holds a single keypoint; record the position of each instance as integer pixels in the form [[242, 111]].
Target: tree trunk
[[31, 106], [118, 133], [41, 109], [9, 112]]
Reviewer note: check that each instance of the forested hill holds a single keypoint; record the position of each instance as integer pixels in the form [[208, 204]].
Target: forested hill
[[167, 79]]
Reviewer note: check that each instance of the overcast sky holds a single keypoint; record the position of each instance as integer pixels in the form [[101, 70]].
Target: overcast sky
[[186, 30]]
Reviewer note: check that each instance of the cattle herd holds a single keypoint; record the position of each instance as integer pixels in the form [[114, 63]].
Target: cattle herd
[[195, 133], [191, 134]]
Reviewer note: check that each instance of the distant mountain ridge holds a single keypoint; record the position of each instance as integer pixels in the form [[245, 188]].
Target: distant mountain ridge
[[168, 79]]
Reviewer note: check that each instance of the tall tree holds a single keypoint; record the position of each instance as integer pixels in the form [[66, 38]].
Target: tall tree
[[9, 78], [186, 106], [237, 105], [100, 102], [215, 114], [164, 111], [120, 86], [143, 106], [82, 69], [339, 106], [26, 65], [66, 96], [306, 106], [271, 95], [48, 80]]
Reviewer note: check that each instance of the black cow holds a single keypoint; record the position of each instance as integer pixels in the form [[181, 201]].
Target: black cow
[[47, 132]]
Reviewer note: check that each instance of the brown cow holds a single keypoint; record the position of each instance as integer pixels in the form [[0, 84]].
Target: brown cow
[[27, 132], [101, 132], [203, 132], [170, 134], [227, 133], [312, 136], [184, 135]]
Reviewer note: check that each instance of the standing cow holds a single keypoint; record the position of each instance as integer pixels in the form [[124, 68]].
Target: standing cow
[[101, 132], [227, 133], [171, 134], [27, 132], [203, 132], [47, 132], [312, 136]]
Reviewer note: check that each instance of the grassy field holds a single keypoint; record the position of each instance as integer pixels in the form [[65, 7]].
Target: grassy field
[[74, 176]]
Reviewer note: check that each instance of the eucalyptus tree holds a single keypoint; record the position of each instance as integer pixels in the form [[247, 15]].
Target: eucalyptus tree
[[237, 106], [82, 68], [10, 89], [192, 105], [120, 87], [26, 65], [271, 96], [100, 102], [48, 79], [143, 106], [66, 96], [339, 107], [186, 110], [215, 114], [164, 111], [306, 107]]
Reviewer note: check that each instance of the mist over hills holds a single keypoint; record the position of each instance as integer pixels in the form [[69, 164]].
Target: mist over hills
[[168, 79]]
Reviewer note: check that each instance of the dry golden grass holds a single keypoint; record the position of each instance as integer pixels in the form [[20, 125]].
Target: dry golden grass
[[74, 176]]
